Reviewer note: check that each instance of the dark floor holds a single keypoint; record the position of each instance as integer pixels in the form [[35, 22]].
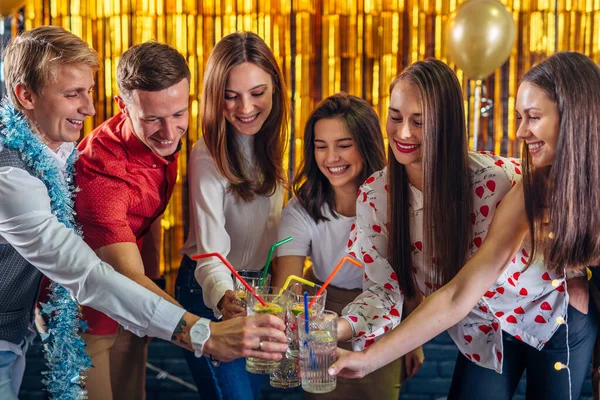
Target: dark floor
[[431, 383]]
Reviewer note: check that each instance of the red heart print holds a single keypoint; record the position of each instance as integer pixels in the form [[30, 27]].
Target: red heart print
[[468, 356], [483, 308], [499, 163], [369, 342], [353, 318], [373, 206], [429, 285], [523, 260], [419, 245], [524, 253], [468, 338], [393, 276], [491, 185], [366, 276], [352, 254], [500, 290], [394, 313], [489, 294], [367, 258], [376, 228], [387, 188], [477, 241], [375, 317], [516, 276], [523, 292], [561, 288], [485, 329], [519, 310], [386, 328], [514, 259], [371, 179], [546, 276], [364, 197], [479, 191], [518, 171], [350, 242], [484, 210], [499, 356], [518, 337], [539, 319], [359, 334], [510, 281], [511, 319], [353, 227], [499, 314], [515, 162], [389, 287], [386, 317], [476, 357], [546, 306], [495, 325]]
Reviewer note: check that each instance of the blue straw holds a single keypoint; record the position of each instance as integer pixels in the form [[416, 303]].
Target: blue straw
[[306, 312]]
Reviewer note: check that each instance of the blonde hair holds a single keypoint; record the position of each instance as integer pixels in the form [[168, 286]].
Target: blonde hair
[[32, 58]]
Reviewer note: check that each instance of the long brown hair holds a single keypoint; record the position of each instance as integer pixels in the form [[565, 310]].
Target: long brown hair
[[567, 194], [446, 186], [311, 187], [269, 143]]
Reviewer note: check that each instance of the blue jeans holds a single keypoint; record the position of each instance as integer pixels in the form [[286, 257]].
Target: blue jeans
[[8, 382], [471, 381], [228, 381]]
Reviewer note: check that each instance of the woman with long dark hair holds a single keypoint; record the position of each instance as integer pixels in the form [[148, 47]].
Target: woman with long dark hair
[[505, 309]]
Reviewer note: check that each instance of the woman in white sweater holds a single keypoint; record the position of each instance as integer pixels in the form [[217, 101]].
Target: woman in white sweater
[[235, 175], [343, 145]]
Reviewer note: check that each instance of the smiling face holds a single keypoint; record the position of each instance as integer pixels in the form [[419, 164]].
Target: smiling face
[[63, 103], [404, 128], [539, 123], [248, 98], [158, 118], [336, 154]]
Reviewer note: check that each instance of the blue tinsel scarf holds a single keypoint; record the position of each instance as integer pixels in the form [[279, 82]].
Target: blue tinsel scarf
[[65, 353]]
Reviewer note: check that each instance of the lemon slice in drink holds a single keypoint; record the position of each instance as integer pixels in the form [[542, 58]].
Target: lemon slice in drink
[[269, 308], [323, 336], [298, 308]]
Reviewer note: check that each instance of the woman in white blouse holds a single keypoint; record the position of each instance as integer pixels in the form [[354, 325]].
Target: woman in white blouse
[[343, 145], [235, 175], [444, 199]]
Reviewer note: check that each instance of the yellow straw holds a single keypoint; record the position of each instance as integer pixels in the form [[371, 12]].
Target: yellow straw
[[295, 278]]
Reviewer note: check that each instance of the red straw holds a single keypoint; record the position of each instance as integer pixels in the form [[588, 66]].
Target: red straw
[[335, 271], [233, 271]]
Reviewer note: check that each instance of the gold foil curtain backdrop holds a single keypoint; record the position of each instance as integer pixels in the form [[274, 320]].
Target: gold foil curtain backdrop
[[323, 46]]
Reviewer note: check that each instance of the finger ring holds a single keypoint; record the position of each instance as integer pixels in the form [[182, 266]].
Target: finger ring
[[260, 345]]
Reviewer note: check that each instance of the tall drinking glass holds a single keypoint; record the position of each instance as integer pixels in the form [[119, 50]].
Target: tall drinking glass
[[317, 351], [276, 305], [288, 374], [252, 277]]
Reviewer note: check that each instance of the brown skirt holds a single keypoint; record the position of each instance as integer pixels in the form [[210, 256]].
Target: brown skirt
[[383, 384]]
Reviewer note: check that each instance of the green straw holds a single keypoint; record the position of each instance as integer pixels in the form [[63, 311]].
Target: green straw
[[266, 268]]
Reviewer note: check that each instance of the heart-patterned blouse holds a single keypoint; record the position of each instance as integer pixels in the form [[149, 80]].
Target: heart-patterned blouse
[[525, 303]]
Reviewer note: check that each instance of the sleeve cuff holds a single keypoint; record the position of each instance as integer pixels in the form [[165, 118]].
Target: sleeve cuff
[[215, 295], [165, 319]]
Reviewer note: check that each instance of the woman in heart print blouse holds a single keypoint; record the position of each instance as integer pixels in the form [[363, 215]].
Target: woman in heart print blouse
[[514, 325]]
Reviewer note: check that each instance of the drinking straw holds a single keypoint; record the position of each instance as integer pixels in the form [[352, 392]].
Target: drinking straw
[[266, 268], [330, 277], [233, 271], [306, 312], [295, 278]]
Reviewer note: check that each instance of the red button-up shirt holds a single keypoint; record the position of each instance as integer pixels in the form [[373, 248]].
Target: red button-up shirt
[[125, 187]]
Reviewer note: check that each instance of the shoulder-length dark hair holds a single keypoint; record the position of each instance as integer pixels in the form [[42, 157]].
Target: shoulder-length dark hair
[[311, 187], [568, 192], [447, 199], [269, 143]]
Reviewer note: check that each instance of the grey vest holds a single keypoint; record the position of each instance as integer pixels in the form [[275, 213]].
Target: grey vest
[[19, 280]]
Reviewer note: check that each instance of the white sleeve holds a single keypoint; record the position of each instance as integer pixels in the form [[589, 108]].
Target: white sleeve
[[207, 212], [28, 225], [294, 223]]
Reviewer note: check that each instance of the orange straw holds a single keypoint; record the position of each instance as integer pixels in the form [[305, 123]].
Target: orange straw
[[233, 271], [335, 271]]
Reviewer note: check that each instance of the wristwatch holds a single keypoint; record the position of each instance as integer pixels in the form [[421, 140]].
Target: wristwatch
[[200, 333]]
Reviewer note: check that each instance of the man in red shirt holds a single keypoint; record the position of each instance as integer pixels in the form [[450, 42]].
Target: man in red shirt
[[126, 172]]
